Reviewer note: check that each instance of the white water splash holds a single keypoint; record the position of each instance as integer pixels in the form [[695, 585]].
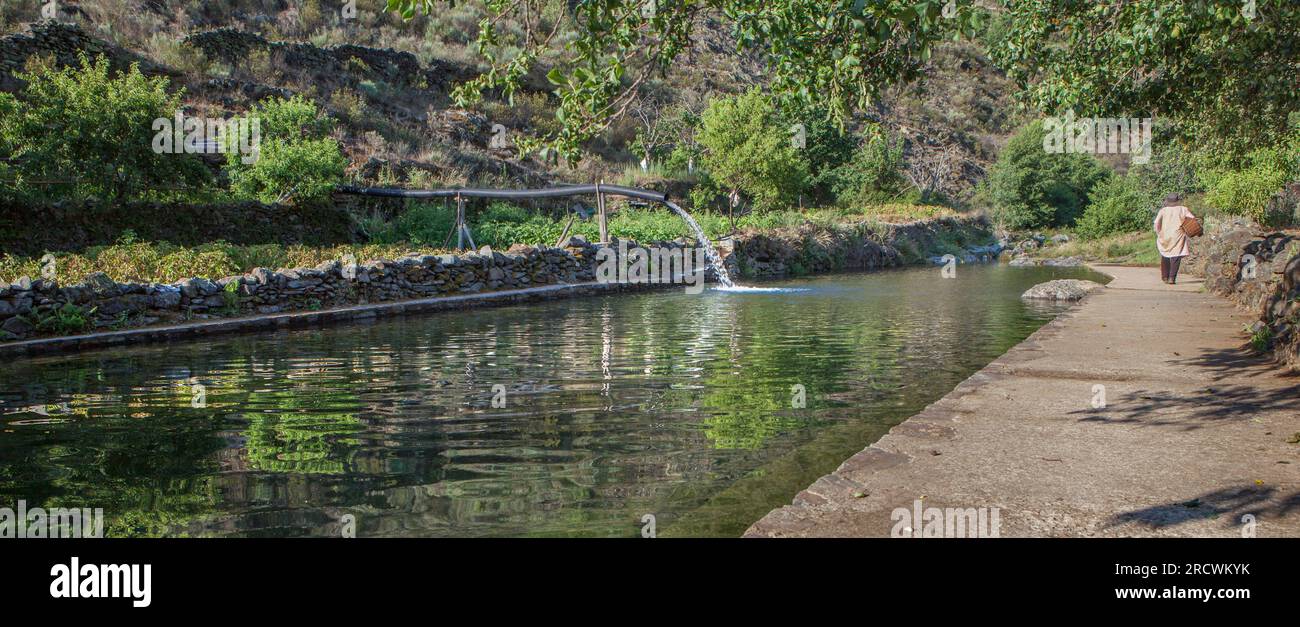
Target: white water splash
[[746, 289]]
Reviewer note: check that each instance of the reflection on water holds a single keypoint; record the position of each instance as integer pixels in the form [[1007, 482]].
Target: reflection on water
[[668, 403]]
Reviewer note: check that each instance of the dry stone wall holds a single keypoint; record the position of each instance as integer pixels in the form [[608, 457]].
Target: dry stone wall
[[1260, 271], [31, 308]]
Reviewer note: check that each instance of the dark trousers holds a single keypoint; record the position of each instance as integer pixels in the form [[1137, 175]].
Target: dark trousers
[[1169, 268]]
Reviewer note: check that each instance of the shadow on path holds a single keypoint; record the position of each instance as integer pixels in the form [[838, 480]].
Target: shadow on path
[[1214, 403], [1233, 362], [1230, 504], [1199, 408]]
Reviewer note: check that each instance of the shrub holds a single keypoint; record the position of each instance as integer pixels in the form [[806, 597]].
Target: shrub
[[873, 174], [1122, 204], [83, 131], [1032, 188], [295, 159], [1170, 171], [827, 149], [748, 149], [1247, 191]]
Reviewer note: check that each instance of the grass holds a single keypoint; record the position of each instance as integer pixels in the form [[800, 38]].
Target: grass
[[166, 263], [1129, 249]]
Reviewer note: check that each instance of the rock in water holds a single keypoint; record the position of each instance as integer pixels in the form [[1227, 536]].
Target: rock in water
[[1061, 289]]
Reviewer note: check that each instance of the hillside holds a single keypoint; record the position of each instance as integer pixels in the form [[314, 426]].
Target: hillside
[[388, 82]]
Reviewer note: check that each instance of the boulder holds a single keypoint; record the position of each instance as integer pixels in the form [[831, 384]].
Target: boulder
[[101, 285], [1061, 290], [17, 326]]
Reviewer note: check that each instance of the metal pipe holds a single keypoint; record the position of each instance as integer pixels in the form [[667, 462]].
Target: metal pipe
[[550, 192]]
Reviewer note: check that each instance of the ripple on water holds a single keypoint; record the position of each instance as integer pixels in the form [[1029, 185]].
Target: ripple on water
[[677, 405]]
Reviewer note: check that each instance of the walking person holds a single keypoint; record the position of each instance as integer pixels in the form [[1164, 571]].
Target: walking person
[[1171, 239]]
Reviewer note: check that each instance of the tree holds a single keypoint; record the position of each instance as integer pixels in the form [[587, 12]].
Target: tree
[[874, 173], [826, 146], [295, 158], [85, 131], [836, 53], [748, 150], [654, 136], [1225, 71], [1121, 204], [1034, 188]]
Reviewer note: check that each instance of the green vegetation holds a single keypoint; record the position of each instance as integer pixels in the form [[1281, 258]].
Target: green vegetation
[[501, 224], [1032, 188], [65, 320], [86, 132], [1245, 187], [1120, 204], [873, 174], [166, 263], [297, 159], [1226, 70], [749, 150], [1132, 249], [836, 56]]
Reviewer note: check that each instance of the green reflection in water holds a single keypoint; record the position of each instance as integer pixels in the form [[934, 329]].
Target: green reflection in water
[[669, 404]]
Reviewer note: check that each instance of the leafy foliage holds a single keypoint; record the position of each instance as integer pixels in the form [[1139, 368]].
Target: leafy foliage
[[1120, 204], [1247, 190], [1033, 188], [833, 53], [1224, 70], [872, 175], [85, 131], [748, 149], [296, 158]]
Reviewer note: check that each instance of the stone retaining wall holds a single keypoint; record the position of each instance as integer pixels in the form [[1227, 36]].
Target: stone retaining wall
[[39, 308], [30, 308], [64, 43], [1260, 271], [810, 249]]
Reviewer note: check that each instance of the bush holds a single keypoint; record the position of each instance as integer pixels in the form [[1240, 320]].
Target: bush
[[873, 175], [1032, 188], [423, 223], [749, 149], [1170, 171], [295, 160], [1122, 204], [84, 132], [827, 149], [1247, 191]]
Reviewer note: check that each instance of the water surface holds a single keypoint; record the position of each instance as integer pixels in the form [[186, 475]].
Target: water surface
[[676, 405]]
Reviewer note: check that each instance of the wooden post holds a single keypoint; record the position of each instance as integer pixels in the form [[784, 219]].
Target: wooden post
[[460, 223], [446, 241], [600, 209], [564, 235]]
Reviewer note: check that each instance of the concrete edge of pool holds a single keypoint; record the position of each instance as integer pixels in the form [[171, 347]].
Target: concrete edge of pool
[[1024, 435]]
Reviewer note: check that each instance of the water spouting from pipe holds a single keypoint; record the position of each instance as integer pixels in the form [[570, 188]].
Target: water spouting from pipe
[[709, 251]]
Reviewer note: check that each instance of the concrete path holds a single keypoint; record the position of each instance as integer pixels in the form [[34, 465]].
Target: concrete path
[[1193, 435]]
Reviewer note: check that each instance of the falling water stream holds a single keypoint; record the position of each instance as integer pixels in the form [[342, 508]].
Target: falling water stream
[[711, 252]]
